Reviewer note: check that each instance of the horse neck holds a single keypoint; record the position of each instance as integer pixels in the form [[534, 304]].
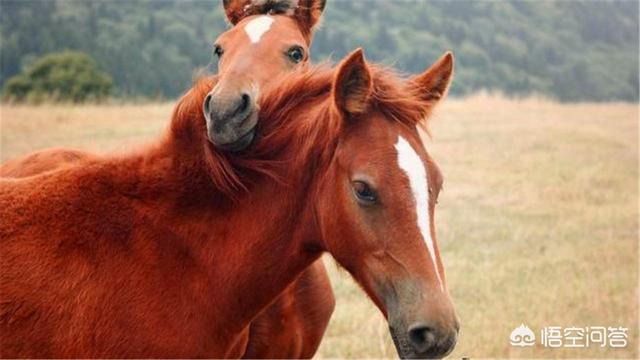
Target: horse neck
[[262, 251], [253, 248], [271, 235]]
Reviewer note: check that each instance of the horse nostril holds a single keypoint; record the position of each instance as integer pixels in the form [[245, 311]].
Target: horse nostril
[[422, 337], [207, 108], [246, 99]]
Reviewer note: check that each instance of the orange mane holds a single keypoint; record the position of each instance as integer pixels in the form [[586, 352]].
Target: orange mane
[[298, 122]]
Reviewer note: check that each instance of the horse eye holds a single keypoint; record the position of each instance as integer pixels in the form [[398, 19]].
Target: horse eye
[[218, 51], [296, 54], [364, 193]]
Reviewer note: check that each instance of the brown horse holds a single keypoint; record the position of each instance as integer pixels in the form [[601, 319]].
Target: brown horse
[[142, 255], [294, 324]]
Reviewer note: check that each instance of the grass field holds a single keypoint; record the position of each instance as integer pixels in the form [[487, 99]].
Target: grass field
[[538, 221]]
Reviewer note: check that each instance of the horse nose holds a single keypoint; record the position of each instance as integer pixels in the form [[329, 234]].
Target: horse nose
[[231, 119], [227, 111], [245, 101], [207, 104], [431, 343], [422, 337]]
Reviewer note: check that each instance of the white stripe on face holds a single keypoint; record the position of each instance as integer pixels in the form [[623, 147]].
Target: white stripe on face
[[258, 27], [413, 167]]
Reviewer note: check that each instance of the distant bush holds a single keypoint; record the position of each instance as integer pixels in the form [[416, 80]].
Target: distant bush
[[65, 76]]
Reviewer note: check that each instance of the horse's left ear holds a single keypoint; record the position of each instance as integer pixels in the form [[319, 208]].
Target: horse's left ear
[[434, 83], [352, 85], [308, 13]]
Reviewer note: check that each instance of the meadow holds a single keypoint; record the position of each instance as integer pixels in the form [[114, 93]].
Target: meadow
[[537, 223]]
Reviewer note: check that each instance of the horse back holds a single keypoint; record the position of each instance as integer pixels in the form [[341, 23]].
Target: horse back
[[42, 161]]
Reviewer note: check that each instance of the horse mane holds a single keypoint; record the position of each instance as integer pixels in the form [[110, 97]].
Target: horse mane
[[188, 127], [298, 123], [272, 7], [392, 95], [283, 7], [286, 117]]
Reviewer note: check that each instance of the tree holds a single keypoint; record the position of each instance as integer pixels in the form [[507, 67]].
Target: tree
[[65, 76], [571, 51]]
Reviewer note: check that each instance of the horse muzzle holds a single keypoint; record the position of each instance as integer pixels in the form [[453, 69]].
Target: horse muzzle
[[422, 321], [231, 122], [422, 340]]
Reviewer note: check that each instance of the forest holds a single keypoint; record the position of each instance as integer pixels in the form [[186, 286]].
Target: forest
[[565, 50]]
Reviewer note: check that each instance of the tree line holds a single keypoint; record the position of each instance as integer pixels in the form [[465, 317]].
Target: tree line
[[571, 51]]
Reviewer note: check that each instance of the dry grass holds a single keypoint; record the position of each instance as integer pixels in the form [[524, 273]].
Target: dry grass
[[538, 223], [91, 127]]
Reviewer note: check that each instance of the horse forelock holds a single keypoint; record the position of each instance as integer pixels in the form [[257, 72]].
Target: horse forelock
[[287, 8], [272, 7]]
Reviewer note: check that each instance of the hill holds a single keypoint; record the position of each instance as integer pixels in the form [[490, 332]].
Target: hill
[[571, 51]]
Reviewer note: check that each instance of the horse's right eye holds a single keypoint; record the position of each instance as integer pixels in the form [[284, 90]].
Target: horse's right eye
[[218, 51], [296, 54], [364, 193]]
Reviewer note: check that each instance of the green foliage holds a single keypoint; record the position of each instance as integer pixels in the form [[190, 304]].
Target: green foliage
[[573, 50], [65, 76]]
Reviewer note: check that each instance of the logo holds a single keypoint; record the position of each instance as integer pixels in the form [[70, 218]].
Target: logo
[[522, 336], [572, 336]]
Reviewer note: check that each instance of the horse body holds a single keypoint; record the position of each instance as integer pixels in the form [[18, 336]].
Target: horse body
[[291, 327], [139, 268], [79, 271]]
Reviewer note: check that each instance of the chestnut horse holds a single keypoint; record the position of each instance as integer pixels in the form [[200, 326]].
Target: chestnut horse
[[293, 326], [142, 255]]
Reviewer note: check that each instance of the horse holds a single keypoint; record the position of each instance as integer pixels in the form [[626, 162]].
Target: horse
[[143, 254], [301, 313]]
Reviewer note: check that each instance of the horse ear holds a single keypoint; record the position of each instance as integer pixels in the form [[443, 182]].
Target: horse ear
[[352, 84], [308, 13], [235, 9], [434, 82]]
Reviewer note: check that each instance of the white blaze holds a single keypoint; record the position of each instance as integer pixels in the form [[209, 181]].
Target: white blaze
[[258, 27], [413, 167]]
